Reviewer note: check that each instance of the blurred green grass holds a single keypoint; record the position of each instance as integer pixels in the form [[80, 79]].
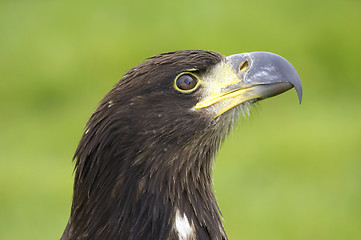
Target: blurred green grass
[[287, 172]]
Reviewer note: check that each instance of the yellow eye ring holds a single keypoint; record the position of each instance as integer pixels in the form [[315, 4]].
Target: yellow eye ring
[[186, 82]]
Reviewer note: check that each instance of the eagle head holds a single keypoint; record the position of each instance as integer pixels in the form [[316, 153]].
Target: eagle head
[[144, 163]]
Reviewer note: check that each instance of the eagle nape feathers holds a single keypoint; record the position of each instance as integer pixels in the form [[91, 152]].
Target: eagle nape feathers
[[144, 163]]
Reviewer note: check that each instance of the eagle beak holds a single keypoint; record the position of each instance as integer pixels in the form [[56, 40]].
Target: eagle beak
[[256, 75]]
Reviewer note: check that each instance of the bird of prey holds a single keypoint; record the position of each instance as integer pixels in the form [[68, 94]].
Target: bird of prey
[[144, 163]]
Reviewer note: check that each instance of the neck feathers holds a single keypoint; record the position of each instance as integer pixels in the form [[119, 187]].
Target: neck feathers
[[134, 184], [134, 187]]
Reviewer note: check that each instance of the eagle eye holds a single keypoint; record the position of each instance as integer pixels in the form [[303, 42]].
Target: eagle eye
[[186, 82]]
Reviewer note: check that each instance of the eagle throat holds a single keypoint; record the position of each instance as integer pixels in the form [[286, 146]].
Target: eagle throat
[[142, 189]]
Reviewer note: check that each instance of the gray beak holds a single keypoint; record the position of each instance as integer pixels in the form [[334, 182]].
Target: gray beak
[[267, 73]]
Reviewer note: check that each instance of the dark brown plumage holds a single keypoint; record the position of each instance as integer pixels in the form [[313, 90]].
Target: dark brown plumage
[[146, 155]]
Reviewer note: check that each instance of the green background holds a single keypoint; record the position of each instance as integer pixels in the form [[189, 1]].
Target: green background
[[288, 171]]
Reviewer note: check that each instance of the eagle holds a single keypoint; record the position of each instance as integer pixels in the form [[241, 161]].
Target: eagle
[[144, 163]]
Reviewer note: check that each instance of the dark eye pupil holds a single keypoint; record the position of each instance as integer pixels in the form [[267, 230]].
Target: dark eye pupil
[[186, 82]]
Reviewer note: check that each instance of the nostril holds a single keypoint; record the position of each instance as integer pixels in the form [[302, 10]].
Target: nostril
[[243, 66]]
